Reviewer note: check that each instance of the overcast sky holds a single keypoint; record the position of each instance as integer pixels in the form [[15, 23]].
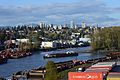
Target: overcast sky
[[101, 12]]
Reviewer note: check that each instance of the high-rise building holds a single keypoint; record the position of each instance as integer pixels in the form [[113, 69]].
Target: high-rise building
[[60, 26], [83, 25], [72, 25], [42, 24], [76, 26]]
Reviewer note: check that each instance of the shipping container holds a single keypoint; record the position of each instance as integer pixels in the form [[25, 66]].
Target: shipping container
[[85, 76], [99, 69], [113, 76], [103, 71], [107, 68], [107, 65], [102, 64]]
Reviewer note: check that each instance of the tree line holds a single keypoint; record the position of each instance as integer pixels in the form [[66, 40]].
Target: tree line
[[106, 39]]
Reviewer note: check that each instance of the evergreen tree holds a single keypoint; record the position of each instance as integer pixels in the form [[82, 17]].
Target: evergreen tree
[[51, 71]]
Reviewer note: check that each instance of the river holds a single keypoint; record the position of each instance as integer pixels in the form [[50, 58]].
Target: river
[[37, 60]]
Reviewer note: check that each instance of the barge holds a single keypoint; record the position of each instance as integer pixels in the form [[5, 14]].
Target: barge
[[20, 55], [114, 55], [57, 55]]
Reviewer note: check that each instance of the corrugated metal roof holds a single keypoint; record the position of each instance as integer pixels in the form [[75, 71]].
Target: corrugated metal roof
[[109, 68], [104, 64]]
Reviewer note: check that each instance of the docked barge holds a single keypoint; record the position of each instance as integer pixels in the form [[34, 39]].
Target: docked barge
[[57, 55], [20, 55]]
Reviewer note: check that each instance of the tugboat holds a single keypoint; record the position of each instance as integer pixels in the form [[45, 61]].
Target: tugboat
[[57, 55]]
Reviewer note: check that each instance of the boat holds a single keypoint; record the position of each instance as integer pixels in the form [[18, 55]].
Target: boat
[[57, 55], [16, 56], [114, 55], [20, 75], [20, 55], [3, 60], [37, 73]]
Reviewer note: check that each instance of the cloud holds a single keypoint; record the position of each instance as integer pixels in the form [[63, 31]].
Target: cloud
[[89, 11]]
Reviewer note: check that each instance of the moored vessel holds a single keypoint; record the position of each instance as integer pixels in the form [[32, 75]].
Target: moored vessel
[[57, 55], [20, 55], [114, 55]]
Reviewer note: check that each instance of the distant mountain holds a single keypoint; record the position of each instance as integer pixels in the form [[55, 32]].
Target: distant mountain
[[32, 24], [29, 24]]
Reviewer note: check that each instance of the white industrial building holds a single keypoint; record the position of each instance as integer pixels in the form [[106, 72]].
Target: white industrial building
[[48, 44], [85, 40]]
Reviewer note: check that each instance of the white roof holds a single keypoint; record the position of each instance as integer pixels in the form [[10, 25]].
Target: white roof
[[22, 40], [104, 64]]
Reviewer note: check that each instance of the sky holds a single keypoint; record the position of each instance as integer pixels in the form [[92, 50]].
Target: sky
[[92, 12]]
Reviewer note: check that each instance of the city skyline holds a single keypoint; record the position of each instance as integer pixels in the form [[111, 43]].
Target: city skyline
[[102, 12]]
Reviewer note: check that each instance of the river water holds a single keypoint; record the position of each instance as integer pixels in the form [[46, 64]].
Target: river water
[[37, 60]]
